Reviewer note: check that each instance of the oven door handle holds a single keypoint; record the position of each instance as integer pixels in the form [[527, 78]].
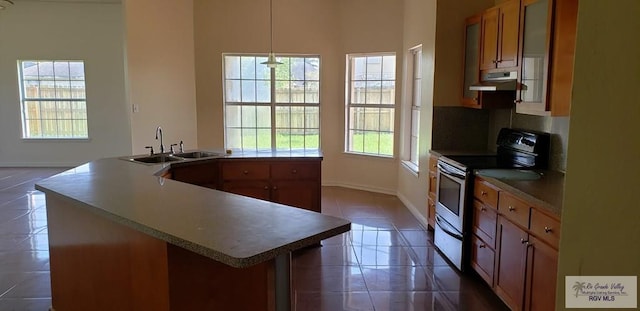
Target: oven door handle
[[447, 228], [447, 170]]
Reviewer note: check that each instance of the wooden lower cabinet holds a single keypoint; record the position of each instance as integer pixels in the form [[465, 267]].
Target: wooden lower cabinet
[[250, 188], [511, 263], [286, 181], [482, 259], [202, 174], [542, 267]]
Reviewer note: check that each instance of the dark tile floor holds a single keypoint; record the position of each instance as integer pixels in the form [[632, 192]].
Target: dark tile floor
[[386, 262]]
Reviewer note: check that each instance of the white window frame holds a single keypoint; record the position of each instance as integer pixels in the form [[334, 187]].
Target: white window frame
[[349, 105], [274, 104], [77, 106], [411, 157]]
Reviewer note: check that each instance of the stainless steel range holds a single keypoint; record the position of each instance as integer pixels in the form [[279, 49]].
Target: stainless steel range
[[516, 149]]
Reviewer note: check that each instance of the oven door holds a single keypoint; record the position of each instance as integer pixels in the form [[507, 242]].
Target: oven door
[[450, 194]]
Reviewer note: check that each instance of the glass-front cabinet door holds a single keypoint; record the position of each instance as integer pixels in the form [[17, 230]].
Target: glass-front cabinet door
[[536, 38], [471, 60]]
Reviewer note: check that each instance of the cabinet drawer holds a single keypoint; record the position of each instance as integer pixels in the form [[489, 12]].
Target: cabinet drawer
[[545, 228], [484, 222], [482, 259], [295, 170], [245, 170], [485, 193], [514, 209]]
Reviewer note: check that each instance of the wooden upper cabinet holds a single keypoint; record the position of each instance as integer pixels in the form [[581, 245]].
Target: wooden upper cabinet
[[509, 20], [500, 36], [547, 32]]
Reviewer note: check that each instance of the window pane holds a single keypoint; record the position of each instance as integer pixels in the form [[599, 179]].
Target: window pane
[[61, 70], [78, 89], [48, 110], [283, 71], [312, 92], [31, 89], [297, 91], [262, 72], [47, 89], [264, 116], [33, 129], [388, 93], [248, 67], [312, 69], [386, 144], [80, 128], [297, 117], [79, 110], [248, 91], [387, 116], [232, 67], [356, 139], [282, 92], [63, 110], [358, 90], [372, 119], [371, 142], [283, 117], [50, 128], [312, 117], [76, 70], [65, 128], [373, 92], [232, 93], [233, 116], [30, 70], [249, 139], [45, 70], [297, 68], [263, 89], [32, 110], [234, 138], [63, 89], [374, 68], [356, 118], [312, 139], [358, 68], [249, 116], [283, 139], [389, 68], [264, 139]]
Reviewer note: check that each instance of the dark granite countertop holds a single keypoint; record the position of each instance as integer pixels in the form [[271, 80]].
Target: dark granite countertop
[[546, 192], [233, 229], [483, 152]]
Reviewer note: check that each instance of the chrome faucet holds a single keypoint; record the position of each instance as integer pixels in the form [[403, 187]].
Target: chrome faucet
[[159, 130]]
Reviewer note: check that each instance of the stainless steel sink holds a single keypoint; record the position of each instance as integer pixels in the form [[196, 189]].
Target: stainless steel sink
[[197, 154], [157, 158]]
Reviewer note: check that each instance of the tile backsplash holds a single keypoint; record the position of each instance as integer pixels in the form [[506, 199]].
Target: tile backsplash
[[458, 128], [558, 127]]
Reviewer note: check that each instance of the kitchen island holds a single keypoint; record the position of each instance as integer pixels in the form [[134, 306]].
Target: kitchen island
[[122, 237]]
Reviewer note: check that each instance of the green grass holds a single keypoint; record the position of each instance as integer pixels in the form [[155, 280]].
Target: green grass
[[366, 143]]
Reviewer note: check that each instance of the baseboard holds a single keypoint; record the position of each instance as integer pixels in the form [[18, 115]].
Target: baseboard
[[415, 211], [358, 187]]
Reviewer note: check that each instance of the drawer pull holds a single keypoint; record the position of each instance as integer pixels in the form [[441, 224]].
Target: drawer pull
[[266, 187], [483, 193], [275, 188], [523, 241], [511, 208], [484, 209], [294, 171], [482, 246], [245, 172], [547, 229]]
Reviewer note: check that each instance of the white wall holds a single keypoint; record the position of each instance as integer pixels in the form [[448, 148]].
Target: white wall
[[601, 211], [330, 28], [49, 30], [161, 72]]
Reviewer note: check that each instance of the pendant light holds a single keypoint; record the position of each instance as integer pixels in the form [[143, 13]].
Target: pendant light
[[271, 60]]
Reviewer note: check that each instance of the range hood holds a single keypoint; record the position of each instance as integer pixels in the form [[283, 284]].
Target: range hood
[[496, 81]]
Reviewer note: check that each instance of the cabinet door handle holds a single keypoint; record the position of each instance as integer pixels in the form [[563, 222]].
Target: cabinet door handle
[[523, 241], [475, 99], [483, 193], [275, 188], [499, 61], [494, 61], [266, 187], [547, 229], [245, 172], [511, 208], [482, 246], [294, 171], [484, 209], [517, 101]]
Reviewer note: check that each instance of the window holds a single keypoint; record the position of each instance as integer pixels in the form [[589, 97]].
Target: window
[[414, 105], [53, 99], [370, 104], [268, 109]]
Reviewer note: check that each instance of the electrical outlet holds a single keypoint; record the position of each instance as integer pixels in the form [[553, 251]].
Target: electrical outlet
[[135, 108]]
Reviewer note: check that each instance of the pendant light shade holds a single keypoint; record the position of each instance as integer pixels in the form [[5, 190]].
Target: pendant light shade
[[271, 60], [5, 3]]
